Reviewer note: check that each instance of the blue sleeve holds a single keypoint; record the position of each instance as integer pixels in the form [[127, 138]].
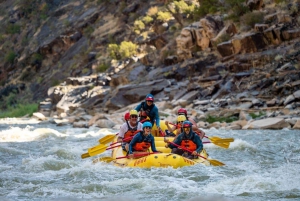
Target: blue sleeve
[[153, 144], [199, 143], [138, 107], [157, 120], [133, 142], [176, 141]]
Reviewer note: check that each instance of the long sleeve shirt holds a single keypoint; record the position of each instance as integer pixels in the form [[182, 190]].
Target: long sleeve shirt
[[140, 137], [152, 111], [192, 136]]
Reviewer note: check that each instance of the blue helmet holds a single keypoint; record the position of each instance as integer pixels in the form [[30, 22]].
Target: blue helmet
[[149, 97], [187, 124], [147, 124]]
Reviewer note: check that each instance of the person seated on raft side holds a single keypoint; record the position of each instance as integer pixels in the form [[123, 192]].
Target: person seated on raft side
[[200, 132], [177, 128], [187, 139], [129, 129], [151, 110], [142, 141]]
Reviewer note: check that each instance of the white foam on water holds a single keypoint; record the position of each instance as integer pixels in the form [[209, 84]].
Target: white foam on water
[[19, 121], [27, 134], [283, 178]]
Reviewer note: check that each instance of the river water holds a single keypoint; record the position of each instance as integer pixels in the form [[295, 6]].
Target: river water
[[43, 162]]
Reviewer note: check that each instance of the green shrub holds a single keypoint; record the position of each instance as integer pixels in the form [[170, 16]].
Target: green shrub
[[279, 1], [114, 51], [237, 9], [36, 58], [20, 110], [102, 68], [10, 56], [207, 7], [255, 115], [127, 49], [212, 119], [139, 25], [147, 19], [54, 82], [88, 31], [164, 16], [13, 29], [182, 7], [251, 18]]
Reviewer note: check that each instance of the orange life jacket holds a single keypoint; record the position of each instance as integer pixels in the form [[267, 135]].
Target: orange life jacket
[[142, 146], [130, 133], [188, 144]]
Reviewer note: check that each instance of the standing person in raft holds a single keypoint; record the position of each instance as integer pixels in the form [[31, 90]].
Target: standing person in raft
[[129, 129], [187, 139], [142, 141], [151, 110], [200, 132]]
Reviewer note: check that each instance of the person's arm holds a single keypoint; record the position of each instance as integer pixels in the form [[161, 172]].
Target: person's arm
[[132, 143], [153, 147], [177, 141], [157, 120], [198, 142], [138, 107], [169, 127], [122, 131]]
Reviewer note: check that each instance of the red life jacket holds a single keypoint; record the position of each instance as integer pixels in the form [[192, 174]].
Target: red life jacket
[[188, 144], [142, 146], [130, 133]]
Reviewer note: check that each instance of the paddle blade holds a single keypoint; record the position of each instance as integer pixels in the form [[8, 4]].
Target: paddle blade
[[220, 140], [215, 162], [97, 149], [85, 155], [107, 139], [224, 145]]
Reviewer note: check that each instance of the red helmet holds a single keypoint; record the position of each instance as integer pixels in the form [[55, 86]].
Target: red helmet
[[149, 97], [182, 111], [127, 116]]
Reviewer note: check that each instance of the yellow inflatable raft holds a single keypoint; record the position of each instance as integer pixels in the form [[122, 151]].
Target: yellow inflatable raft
[[165, 159]]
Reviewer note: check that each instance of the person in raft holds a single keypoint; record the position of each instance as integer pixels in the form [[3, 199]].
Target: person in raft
[[175, 129], [151, 110], [142, 141], [129, 129], [188, 140], [200, 132], [127, 116]]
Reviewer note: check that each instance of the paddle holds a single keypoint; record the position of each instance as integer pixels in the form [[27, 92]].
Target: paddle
[[107, 138], [215, 140], [212, 161], [128, 138], [97, 150], [109, 159], [224, 145]]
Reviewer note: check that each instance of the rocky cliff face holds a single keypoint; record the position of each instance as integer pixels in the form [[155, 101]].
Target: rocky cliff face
[[57, 51]]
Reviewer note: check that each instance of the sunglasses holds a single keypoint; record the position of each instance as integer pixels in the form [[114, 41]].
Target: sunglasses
[[147, 127], [181, 114], [180, 122], [149, 101], [134, 116]]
